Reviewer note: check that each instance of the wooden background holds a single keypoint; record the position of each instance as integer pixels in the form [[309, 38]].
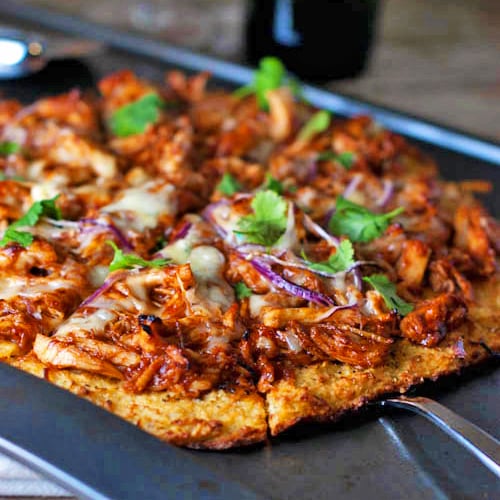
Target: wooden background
[[438, 59]]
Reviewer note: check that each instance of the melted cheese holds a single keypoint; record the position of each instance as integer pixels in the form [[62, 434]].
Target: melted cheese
[[78, 323], [14, 286], [144, 205]]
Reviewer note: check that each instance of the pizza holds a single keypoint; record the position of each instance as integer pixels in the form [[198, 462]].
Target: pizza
[[217, 267]]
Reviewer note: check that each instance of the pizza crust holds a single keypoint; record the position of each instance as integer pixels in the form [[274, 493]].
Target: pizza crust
[[325, 391], [218, 420]]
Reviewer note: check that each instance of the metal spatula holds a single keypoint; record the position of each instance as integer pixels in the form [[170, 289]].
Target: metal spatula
[[481, 444]]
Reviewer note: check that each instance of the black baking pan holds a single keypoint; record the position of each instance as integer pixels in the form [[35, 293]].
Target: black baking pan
[[96, 455]]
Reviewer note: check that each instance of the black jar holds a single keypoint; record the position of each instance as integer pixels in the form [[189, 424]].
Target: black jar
[[318, 40]]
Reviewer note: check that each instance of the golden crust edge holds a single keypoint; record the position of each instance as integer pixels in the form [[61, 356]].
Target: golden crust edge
[[218, 420]]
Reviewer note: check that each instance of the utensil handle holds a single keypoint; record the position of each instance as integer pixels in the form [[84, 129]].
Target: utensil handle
[[484, 446]]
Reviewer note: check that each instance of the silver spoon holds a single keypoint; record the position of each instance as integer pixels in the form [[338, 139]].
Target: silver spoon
[[23, 53], [481, 444]]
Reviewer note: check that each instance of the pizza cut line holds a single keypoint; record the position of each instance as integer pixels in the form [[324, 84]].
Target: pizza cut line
[[216, 267]]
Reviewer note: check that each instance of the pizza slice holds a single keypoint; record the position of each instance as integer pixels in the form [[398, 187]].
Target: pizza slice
[[158, 345], [329, 331]]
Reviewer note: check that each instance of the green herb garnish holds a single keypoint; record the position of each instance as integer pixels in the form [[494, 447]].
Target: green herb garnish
[[134, 118], [270, 75], [42, 208], [268, 222], [318, 122], [129, 260], [242, 291], [387, 289], [228, 185], [341, 260], [359, 223], [9, 147], [273, 184], [346, 159]]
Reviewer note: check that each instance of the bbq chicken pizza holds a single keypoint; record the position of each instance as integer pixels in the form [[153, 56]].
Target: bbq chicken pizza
[[217, 267]]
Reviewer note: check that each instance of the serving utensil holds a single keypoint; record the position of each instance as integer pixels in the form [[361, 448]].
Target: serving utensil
[[23, 53], [481, 444]]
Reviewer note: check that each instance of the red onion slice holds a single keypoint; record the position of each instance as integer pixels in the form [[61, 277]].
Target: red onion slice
[[386, 194], [183, 231], [208, 215], [291, 288], [352, 186], [108, 283], [122, 240], [316, 229]]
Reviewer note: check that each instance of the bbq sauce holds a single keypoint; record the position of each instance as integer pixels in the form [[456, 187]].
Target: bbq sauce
[[318, 40]]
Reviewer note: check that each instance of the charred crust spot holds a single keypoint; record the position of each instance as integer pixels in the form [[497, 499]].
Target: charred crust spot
[[39, 271]]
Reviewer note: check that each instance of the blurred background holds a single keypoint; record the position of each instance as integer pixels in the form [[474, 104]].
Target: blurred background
[[437, 59]]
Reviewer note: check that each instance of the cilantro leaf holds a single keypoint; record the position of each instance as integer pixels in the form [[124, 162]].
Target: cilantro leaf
[[268, 222], [9, 147], [42, 208], [318, 122], [273, 184], [133, 118], [228, 185], [387, 289], [242, 291], [129, 260], [270, 75], [359, 223], [341, 260], [346, 159]]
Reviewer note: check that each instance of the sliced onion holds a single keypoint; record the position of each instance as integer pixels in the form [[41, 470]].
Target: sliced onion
[[293, 289], [108, 283], [387, 193], [356, 278], [208, 215], [69, 224], [310, 225], [333, 310], [288, 240], [122, 240], [183, 231], [292, 341], [352, 186]]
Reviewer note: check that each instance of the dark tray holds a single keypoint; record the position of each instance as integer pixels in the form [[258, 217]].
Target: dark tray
[[96, 455]]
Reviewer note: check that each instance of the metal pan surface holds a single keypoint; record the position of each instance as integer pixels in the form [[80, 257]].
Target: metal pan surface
[[96, 455]]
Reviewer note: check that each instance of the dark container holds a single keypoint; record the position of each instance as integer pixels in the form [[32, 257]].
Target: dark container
[[318, 40]]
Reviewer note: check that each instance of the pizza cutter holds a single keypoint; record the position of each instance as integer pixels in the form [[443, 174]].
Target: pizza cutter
[[23, 53], [481, 444]]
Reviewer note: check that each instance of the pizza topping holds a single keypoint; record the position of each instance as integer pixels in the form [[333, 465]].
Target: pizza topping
[[9, 148], [292, 288], [341, 260], [359, 223], [228, 185], [123, 260], [134, 118], [141, 207], [318, 123], [269, 76], [268, 222], [242, 291], [346, 158], [381, 283], [39, 209]]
